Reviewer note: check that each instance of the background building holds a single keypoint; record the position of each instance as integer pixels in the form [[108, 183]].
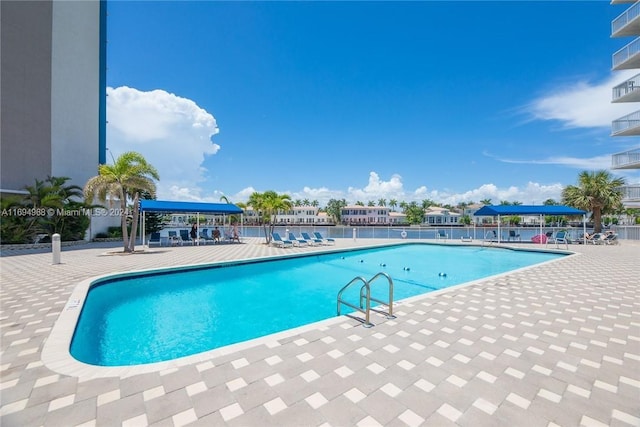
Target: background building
[[627, 24], [53, 91]]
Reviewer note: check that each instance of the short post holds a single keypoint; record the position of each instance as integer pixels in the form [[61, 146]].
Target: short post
[[55, 248], [354, 234]]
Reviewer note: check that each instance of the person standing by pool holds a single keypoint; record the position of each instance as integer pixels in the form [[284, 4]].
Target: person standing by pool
[[194, 232]]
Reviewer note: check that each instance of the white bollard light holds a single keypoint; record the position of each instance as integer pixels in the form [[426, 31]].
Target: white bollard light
[[354, 234], [55, 248]]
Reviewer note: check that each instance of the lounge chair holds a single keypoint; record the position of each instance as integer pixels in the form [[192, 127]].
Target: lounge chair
[[611, 239], [276, 240], [596, 239], [174, 239], [312, 241], [204, 236], [560, 237], [441, 235], [298, 241], [326, 241], [185, 237], [154, 239], [513, 235]]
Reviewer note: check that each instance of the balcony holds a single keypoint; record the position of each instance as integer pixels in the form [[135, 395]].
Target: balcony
[[626, 160], [628, 91], [631, 195], [628, 57], [628, 125], [628, 23]]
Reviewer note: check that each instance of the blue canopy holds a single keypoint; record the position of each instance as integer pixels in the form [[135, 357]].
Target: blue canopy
[[527, 210], [190, 207]]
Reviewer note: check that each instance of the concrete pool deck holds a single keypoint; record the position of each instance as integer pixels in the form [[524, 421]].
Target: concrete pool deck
[[555, 344]]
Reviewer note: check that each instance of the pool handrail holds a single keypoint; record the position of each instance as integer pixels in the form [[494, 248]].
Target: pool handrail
[[388, 303], [366, 323]]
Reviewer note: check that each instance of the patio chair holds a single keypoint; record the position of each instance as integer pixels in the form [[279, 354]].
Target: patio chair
[[560, 237], [326, 241], [514, 236], [154, 239], [174, 239], [611, 239], [204, 236], [276, 240], [312, 241], [296, 241], [441, 235], [184, 235]]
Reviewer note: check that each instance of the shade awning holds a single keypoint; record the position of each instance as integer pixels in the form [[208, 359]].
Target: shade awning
[[190, 207], [527, 210]]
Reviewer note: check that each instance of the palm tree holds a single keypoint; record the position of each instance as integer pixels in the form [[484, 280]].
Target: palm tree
[[268, 204], [485, 201], [382, 202], [129, 174], [393, 203], [598, 192], [315, 203], [224, 199], [306, 202]]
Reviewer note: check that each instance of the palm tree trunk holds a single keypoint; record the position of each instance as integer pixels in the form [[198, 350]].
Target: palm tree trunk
[[134, 223], [123, 221], [597, 220]]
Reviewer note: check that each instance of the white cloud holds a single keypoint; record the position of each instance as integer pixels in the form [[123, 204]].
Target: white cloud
[[589, 163], [533, 193], [172, 133], [582, 104]]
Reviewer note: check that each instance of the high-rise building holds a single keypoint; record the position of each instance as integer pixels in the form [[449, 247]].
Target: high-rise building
[[627, 24], [53, 91]]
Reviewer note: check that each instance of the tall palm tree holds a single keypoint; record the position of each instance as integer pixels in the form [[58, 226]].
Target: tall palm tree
[[382, 202], [598, 192], [393, 203], [129, 174], [268, 204], [485, 201]]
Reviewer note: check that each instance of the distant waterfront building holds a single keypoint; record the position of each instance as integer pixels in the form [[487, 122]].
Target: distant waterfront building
[[435, 215], [627, 24], [365, 215], [52, 112]]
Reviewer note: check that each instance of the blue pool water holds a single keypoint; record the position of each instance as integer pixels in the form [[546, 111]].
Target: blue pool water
[[147, 318]]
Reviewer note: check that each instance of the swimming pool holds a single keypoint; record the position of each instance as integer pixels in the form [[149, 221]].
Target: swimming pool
[[162, 315]]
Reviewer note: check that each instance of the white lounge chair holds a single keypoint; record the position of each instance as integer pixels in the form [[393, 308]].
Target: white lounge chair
[[276, 240], [312, 241], [327, 241], [296, 241]]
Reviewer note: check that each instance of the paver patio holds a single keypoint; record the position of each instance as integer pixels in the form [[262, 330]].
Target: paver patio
[[554, 344]]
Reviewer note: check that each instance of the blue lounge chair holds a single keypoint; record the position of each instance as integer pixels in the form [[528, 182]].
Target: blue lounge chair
[[514, 236], [312, 241], [185, 237], [204, 236], [296, 241], [154, 239], [327, 241], [276, 240], [441, 235]]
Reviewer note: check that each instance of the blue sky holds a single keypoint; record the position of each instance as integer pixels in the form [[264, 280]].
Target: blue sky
[[449, 101]]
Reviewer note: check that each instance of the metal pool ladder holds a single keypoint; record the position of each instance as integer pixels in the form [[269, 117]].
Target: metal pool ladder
[[366, 298]]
